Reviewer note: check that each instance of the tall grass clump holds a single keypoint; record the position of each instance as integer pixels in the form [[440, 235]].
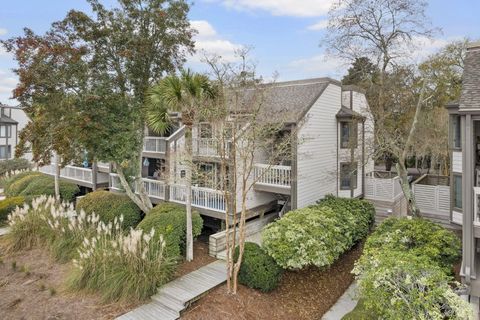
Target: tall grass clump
[[126, 267]]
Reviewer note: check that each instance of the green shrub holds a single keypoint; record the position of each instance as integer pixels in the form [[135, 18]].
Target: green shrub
[[402, 285], [319, 234], [360, 312], [14, 185], [45, 185], [31, 183], [8, 166], [258, 270], [170, 220], [109, 205], [9, 204], [417, 236]]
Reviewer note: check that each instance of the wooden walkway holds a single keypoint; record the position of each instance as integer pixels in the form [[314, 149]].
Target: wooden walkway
[[174, 297]]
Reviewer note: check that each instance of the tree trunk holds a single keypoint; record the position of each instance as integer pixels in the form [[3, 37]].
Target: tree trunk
[[188, 202], [57, 177], [145, 207]]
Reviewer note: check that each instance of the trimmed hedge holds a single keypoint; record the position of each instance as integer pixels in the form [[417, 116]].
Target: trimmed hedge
[[405, 270], [9, 204], [170, 220], [258, 270], [32, 183], [319, 234], [109, 205]]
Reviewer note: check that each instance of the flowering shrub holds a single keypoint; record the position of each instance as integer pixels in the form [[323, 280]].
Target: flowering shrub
[[404, 271], [124, 267], [14, 165], [8, 205], [120, 266], [317, 235]]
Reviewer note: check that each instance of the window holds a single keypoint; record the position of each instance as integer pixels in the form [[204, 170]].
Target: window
[[5, 131], [348, 176], [348, 134], [5, 152], [205, 130], [457, 191], [456, 132]]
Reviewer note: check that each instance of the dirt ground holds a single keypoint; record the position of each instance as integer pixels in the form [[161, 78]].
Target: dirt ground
[[306, 294], [32, 287]]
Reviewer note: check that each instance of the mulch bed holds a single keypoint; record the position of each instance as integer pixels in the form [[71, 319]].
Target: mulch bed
[[35, 288], [305, 294]]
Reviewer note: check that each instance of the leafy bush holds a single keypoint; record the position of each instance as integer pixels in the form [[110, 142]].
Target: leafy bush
[[170, 220], [317, 235], [360, 312], [417, 236], [31, 183], [109, 205], [8, 205], [404, 271], [402, 285], [258, 270], [8, 166], [15, 184], [45, 185]]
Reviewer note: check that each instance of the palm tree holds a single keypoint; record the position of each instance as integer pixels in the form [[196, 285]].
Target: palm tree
[[190, 94]]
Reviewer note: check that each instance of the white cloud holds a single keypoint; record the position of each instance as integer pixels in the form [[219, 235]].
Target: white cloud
[[209, 42], [8, 81], [317, 66], [3, 31], [318, 26], [296, 8]]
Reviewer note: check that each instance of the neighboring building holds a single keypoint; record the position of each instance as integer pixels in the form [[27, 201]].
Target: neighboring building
[[333, 134], [12, 121], [465, 173]]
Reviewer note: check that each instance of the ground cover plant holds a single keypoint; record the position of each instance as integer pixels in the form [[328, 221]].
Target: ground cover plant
[[319, 234]]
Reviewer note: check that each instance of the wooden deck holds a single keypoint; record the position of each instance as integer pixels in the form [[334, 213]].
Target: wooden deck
[[174, 297]]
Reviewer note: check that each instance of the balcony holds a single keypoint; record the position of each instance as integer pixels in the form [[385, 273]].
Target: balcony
[[155, 145], [154, 188], [203, 198], [78, 175], [275, 179], [209, 147]]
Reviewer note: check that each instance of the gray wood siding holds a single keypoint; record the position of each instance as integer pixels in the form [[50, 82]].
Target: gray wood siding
[[317, 149]]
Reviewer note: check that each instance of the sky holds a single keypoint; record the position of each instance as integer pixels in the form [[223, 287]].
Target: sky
[[285, 35]]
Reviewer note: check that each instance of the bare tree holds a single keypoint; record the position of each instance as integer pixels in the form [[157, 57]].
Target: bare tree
[[247, 132]]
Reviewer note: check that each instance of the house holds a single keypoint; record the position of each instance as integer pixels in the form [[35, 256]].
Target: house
[[12, 121], [464, 133], [332, 130]]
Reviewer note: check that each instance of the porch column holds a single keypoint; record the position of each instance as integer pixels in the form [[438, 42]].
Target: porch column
[[468, 168]]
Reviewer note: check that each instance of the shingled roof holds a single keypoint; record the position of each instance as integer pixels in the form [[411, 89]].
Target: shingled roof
[[289, 100], [470, 98]]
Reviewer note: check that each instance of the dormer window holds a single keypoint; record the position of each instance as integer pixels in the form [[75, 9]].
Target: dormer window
[[348, 134]]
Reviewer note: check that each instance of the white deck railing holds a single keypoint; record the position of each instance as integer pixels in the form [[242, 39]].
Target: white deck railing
[[155, 144], [209, 147], [154, 188], [476, 204], [432, 199], [201, 197], [103, 165], [273, 175], [75, 173], [379, 188]]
